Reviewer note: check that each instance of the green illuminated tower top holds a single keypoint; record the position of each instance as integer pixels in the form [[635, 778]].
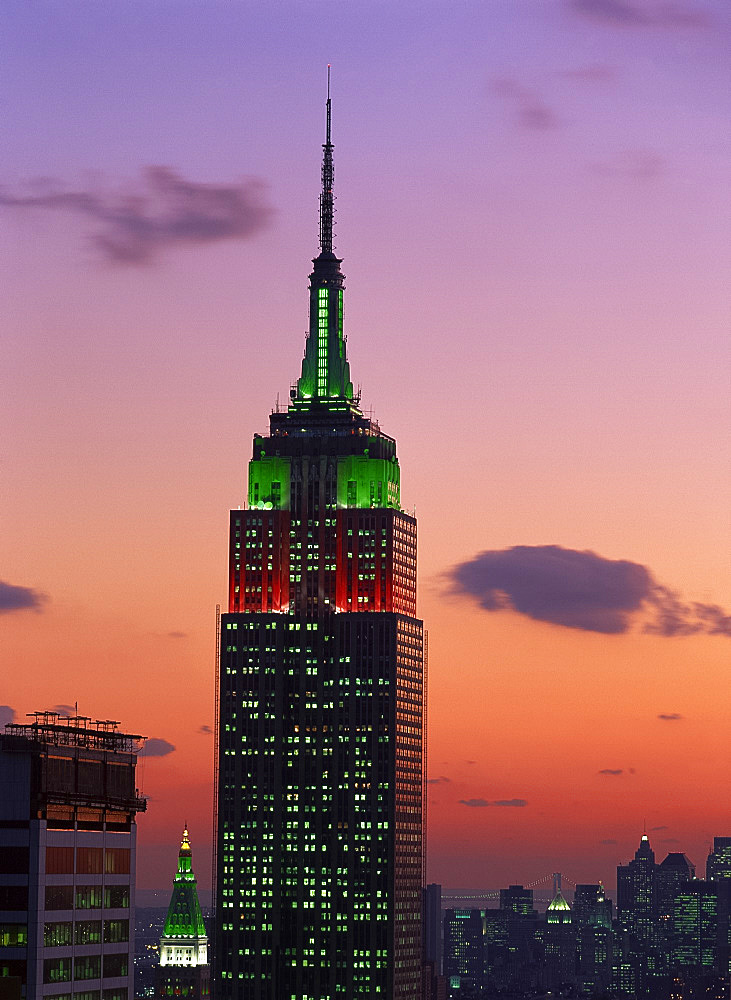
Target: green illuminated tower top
[[325, 375], [184, 919]]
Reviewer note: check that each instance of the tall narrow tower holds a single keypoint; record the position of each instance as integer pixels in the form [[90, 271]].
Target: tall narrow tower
[[320, 751], [183, 968]]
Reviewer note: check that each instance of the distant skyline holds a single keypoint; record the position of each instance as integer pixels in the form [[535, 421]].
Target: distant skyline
[[534, 217]]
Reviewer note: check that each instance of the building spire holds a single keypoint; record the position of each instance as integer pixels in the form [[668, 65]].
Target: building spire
[[325, 370], [327, 208]]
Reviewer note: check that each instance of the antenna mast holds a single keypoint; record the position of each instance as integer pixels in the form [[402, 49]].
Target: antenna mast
[[327, 209]]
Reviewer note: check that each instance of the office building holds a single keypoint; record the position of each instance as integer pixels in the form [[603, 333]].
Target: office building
[[68, 804], [592, 920], [183, 970], [559, 944], [319, 831], [718, 871], [695, 928], [432, 925], [464, 953]]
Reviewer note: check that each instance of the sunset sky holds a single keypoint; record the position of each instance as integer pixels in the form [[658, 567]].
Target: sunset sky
[[534, 216]]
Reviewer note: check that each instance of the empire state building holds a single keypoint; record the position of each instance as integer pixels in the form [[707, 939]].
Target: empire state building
[[320, 747]]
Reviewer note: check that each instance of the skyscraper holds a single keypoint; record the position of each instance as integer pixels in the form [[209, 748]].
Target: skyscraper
[[67, 857], [320, 740], [465, 956], [592, 920], [183, 969]]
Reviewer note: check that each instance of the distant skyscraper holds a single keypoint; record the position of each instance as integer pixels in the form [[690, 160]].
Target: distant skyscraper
[[592, 920], [718, 871], [183, 970], [432, 925], [67, 857], [319, 843], [637, 918], [516, 899], [718, 864], [695, 928], [464, 952], [670, 874], [512, 940], [559, 944], [636, 902]]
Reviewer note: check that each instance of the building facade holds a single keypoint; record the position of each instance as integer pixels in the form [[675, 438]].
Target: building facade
[[183, 969], [319, 833], [465, 952], [68, 804]]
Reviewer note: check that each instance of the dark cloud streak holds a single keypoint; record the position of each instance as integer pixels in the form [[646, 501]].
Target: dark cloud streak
[[165, 210], [483, 803], [14, 598], [680, 14], [635, 164], [529, 109]]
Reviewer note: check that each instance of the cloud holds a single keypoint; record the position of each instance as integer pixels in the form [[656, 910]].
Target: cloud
[[156, 747], [14, 598], [581, 590], [636, 164], [65, 711], [644, 13], [177, 635], [206, 729], [670, 717], [611, 770], [676, 617], [162, 211], [438, 781], [528, 107], [483, 803], [7, 714], [656, 829], [608, 841]]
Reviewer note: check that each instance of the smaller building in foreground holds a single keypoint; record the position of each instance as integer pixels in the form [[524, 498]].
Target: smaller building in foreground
[[184, 969], [68, 803]]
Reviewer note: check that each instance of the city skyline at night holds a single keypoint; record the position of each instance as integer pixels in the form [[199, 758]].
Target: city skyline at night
[[536, 239]]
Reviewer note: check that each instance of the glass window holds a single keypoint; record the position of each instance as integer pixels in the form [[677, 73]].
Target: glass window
[[13, 897], [57, 934], [59, 861], [89, 860], [116, 897], [57, 970], [87, 967], [116, 861], [59, 897], [115, 965], [88, 931], [88, 897], [115, 931], [13, 935]]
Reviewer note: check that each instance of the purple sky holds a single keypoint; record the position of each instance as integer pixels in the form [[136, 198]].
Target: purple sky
[[533, 210]]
